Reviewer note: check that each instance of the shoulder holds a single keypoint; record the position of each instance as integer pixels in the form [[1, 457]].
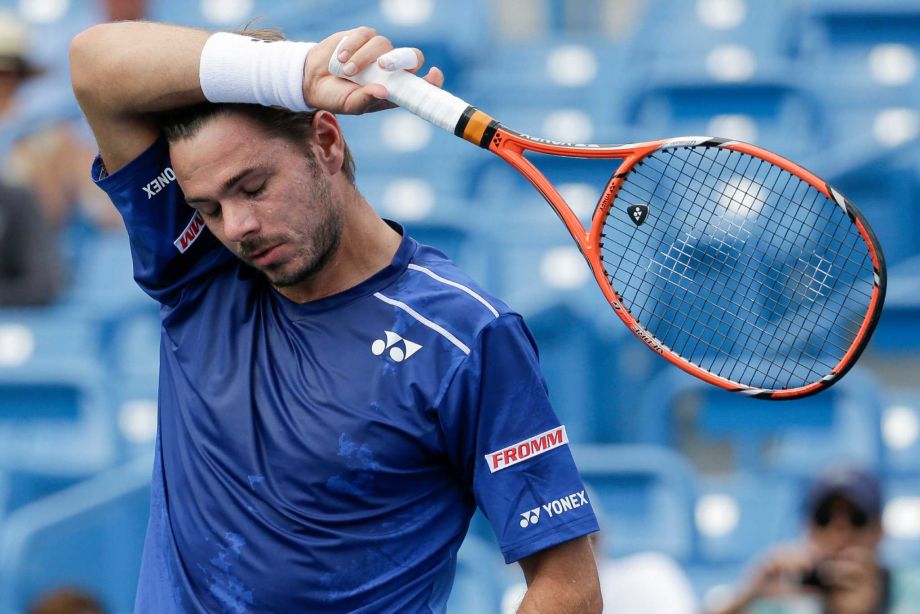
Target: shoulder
[[435, 289]]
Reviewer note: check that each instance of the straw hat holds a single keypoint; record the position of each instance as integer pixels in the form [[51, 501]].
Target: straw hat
[[13, 43]]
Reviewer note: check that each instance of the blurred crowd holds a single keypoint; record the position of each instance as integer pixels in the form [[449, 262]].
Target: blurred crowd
[[48, 204]]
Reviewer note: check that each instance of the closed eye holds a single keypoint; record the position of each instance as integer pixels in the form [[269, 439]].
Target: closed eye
[[254, 193]]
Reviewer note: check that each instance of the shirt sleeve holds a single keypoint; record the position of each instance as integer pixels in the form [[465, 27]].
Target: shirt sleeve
[[170, 246], [504, 437]]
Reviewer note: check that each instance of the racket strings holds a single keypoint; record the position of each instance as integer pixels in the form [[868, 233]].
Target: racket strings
[[721, 270], [697, 339], [739, 258], [795, 286], [817, 194], [747, 194], [736, 168]]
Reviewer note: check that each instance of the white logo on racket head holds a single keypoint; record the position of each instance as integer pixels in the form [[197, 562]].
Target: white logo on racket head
[[637, 213], [400, 349]]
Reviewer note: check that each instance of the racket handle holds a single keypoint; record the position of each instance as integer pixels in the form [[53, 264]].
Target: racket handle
[[410, 92]]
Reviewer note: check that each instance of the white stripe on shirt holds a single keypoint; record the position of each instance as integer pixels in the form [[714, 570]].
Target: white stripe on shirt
[[454, 284], [422, 319]]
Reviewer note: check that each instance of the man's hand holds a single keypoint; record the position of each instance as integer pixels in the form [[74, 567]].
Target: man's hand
[[362, 46]]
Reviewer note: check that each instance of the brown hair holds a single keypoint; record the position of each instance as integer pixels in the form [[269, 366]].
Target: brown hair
[[295, 126]]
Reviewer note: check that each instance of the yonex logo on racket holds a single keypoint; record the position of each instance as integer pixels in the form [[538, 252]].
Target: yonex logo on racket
[[637, 213], [397, 348]]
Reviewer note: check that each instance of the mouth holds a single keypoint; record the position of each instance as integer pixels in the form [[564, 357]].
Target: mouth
[[265, 256]]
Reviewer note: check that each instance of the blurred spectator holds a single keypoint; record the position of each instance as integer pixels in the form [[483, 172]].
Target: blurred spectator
[[52, 156], [642, 583], [29, 267], [124, 10], [837, 569], [66, 601]]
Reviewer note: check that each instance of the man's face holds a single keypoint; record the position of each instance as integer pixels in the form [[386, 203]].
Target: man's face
[[261, 196], [837, 524]]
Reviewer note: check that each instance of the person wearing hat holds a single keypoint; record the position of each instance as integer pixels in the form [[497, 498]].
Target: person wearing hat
[[15, 66], [837, 569], [29, 268], [44, 152]]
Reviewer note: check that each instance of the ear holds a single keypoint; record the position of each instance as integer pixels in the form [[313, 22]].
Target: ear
[[327, 142]]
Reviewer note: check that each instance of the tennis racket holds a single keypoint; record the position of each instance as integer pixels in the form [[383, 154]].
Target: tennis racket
[[738, 266]]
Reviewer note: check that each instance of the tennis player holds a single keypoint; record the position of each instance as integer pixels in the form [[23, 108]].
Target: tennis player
[[335, 398]]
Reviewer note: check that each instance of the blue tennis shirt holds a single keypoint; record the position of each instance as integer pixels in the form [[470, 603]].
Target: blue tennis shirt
[[328, 456]]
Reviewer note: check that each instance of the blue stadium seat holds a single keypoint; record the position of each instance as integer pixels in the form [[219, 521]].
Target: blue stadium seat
[[769, 29], [449, 33], [901, 433], [884, 186], [503, 196], [30, 334], [898, 331], [901, 544], [479, 578], [839, 424], [103, 281], [54, 419], [132, 342], [4, 495], [741, 515], [55, 423], [533, 265], [579, 354], [399, 155], [588, 73], [89, 535], [838, 38], [644, 496], [772, 112], [861, 59]]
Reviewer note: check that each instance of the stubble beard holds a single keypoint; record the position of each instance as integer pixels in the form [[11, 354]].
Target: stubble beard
[[327, 236]]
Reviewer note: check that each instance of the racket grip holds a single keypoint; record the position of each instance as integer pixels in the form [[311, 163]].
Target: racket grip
[[408, 91]]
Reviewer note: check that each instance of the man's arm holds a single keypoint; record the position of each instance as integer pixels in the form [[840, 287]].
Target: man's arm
[[561, 579], [123, 72]]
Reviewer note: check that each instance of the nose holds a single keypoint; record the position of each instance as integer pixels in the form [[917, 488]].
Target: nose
[[239, 221]]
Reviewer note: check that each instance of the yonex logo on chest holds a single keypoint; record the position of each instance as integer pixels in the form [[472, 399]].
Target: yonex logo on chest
[[396, 347]]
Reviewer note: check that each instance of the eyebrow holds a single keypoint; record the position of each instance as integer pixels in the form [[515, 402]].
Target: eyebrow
[[228, 185]]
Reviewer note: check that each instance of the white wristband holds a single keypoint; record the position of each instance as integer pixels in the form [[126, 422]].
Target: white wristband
[[237, 68]]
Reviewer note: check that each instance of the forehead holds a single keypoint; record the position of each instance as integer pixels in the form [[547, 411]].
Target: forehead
[[225, 143]]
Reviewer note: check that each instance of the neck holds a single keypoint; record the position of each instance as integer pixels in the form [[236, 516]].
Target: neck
[[367, 245]]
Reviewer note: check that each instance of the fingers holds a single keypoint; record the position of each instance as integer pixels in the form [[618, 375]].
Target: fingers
[[363, 45], [354, 40], [366, 54], [402, 58], [435, 77]]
